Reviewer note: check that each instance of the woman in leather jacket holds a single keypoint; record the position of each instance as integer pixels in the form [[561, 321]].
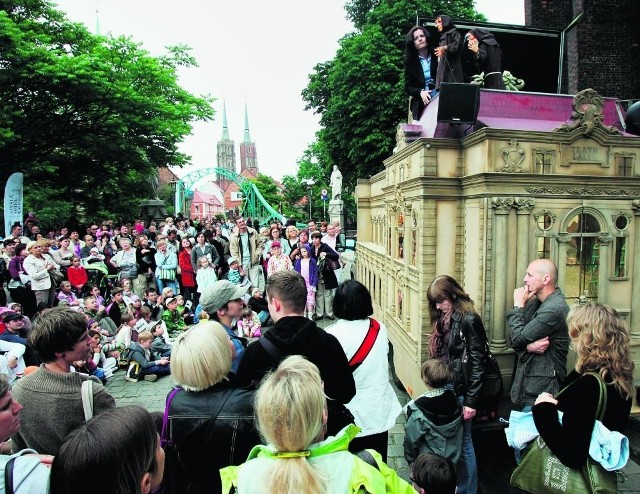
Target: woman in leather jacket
[[459, 339], [211, 420]]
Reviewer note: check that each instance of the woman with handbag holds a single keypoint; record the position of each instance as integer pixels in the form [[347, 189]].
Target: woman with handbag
[[166, 267], [375, 406], [459, 339], [19, 283], [601, 342]]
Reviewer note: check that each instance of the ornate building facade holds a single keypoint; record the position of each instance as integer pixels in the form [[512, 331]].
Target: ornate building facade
[[538, 176]]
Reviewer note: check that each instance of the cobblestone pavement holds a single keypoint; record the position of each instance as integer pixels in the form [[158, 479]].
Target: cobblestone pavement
[[495, 458]]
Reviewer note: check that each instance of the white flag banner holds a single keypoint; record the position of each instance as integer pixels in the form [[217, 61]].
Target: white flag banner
[[12, 202]]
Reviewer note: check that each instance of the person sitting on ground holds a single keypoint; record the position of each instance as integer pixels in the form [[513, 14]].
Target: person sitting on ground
[[249, 324], [160, 346], [126, 333], [11, 360], [150, 365], [101, 358], [123, 442], [98, 313], [291, 410], [211, 419], [173, 318], [51, 395], [117, 308], [434, 420], [66, 296], [432, 473], [259, 305], [151, 301]]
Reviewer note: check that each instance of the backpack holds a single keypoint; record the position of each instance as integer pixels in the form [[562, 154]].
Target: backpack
[[25, 472]]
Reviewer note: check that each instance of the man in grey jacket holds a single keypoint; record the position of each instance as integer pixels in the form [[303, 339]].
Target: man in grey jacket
[[539, 334]]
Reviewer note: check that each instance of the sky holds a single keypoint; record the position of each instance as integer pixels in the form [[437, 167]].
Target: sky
[[250, 51]]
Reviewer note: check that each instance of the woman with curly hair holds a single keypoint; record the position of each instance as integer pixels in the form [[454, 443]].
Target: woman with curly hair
[[601, 342], [458, 330]]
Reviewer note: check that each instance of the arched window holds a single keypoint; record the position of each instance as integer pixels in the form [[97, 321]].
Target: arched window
[[583, 256]]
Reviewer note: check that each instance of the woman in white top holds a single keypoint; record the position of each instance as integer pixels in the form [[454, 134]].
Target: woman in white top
[[375, 405]]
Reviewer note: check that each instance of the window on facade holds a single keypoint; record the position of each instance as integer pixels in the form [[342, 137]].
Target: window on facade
[[583, 257], [625, 165], [620, 260], [544, 248], [543, 163]]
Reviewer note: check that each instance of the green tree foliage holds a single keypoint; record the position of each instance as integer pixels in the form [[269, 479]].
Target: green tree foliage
[[360, 93], [87, 118]]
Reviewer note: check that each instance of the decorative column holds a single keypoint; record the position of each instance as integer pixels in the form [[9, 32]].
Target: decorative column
[[603, 273], [501, 207], [523, 205], [635, 282]]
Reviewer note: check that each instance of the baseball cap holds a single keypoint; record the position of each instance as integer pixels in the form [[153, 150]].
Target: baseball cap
[[216, 295], [11, 316], [231, 260], [275, 243]]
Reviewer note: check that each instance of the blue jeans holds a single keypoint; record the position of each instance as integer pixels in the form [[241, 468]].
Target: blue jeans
[[263, 315], [158, 370], [467, 469]]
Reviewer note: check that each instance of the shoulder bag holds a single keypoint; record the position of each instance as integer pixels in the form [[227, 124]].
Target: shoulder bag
[[541, 472], [492, 385]]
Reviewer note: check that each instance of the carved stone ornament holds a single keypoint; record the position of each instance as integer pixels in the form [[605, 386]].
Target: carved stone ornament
[[605, 239], [582, 191], [524, 205], [502, 205], [537, 215], [587, 114], [513, 156], [399, 204]]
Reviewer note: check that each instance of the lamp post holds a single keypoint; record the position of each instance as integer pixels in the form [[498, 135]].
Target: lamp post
[[309, 182]]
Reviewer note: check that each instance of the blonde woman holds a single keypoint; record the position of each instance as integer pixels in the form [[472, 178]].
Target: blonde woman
[[211, 418], [291, 411], [601, 342]]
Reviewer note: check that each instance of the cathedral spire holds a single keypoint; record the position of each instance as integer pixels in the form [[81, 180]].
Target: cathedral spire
[[225, 128], [247, 136]]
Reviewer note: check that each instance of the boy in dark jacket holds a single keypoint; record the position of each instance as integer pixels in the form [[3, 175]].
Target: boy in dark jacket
[[149, 367]]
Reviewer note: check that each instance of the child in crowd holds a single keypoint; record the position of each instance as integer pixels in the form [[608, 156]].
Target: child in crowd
[[117, 308], [235, 273], [434, 420], [278, 261], [136, 306], [95, 291], [149, 366], [127, 290], [66, 296], [308, 269], [172, 318], [153, 303], [100, 358], [167, 293], [108, 344], [126, 333], [77, 276], [160, 346], [259, 305], [433, 473], [98, 313], [184, 308], [206, 275], [249, 324]]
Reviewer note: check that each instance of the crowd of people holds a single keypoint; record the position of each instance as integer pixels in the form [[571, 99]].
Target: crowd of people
[[267, 401]]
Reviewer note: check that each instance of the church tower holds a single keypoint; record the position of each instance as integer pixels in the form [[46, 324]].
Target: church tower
[[248, 155], [226, 150]]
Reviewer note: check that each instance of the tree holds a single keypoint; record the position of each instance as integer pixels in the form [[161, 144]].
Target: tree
[[87, 118], [360, 93]]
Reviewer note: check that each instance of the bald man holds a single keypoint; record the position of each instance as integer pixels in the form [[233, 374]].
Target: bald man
[[539, 334]]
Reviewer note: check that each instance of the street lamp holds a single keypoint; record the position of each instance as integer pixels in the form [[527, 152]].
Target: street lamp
[[309, 182]]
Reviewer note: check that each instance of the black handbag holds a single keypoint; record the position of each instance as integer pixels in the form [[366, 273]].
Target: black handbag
[[492, 384]]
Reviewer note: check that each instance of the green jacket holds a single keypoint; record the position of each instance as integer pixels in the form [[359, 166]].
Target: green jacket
[[346, 472]]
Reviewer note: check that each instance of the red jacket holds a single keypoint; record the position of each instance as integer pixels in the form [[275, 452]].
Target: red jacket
[[77, 276], [184, 261]]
